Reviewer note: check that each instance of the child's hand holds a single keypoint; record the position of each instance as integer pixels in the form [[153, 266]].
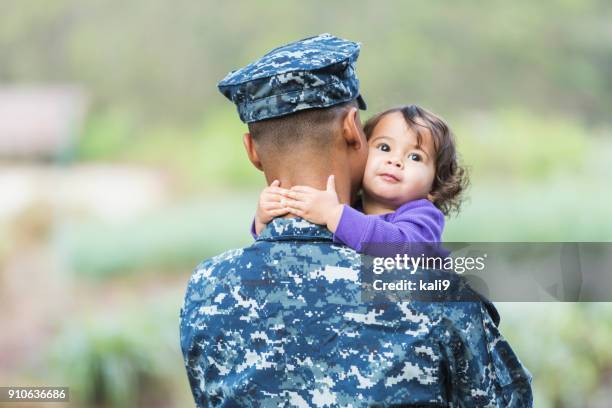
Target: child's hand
[[269, 205], [317, 206]]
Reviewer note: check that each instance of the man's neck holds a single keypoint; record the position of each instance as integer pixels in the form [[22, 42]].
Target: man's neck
[[316, 177]]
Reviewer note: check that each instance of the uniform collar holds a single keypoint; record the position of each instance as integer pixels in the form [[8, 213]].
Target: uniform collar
[[294, 229]]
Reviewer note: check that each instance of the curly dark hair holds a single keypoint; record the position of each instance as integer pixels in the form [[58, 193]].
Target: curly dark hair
[[451, 179]]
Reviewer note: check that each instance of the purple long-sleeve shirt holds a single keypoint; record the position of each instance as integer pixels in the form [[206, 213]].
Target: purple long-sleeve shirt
[[417, 221]]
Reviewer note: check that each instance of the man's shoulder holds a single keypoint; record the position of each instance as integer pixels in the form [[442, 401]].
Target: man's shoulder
[[205, 268], [231, 255], [323, 251]]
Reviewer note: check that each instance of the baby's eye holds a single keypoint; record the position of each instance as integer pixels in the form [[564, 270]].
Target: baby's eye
[[384, 147], [414, 156]]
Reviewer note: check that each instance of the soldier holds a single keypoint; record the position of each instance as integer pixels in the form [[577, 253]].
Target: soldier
[[282, 322]]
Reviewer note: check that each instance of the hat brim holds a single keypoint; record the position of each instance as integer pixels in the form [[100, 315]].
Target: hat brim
[[361, 103]]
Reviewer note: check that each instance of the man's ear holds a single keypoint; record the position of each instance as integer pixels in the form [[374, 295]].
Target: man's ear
[[351, 129], [249, 146]]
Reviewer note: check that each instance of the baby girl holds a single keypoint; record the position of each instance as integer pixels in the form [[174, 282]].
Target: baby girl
[[412, 180]]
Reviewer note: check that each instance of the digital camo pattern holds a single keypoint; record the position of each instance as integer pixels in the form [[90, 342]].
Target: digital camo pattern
[[316, 72], [281, 324]]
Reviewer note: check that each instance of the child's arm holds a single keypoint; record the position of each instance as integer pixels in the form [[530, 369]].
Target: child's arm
[[417, 222], [269, 206]]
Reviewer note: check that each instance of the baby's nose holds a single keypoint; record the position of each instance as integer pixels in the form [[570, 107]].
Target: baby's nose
[[395, 162]]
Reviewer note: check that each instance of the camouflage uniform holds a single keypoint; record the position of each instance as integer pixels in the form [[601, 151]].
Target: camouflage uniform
[[282, 322]]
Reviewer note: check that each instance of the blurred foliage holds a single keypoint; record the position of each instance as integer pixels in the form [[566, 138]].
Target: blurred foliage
[[162, 60], [525, 85], [173, 238], [510, 211], [200, 156], [520, 145], [566, 347], [105, 135], [128, 358]]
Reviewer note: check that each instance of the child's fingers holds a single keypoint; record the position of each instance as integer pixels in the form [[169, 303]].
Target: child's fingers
[[272, 198], [297, 195], [275, 183], [297, 205], [276, 190], [278, 212], [272, 205], [295, 211]]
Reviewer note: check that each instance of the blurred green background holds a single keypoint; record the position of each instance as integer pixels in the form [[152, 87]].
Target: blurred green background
[[99, 234]]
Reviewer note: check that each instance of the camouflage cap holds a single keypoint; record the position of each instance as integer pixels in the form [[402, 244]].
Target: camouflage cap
[[315, 72]]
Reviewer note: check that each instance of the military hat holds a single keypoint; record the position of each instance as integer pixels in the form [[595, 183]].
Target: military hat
[[315, 72]]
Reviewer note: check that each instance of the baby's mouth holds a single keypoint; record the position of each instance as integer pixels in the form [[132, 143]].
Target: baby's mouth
[[389, 177]]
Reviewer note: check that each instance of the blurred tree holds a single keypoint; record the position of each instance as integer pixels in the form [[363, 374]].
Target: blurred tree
[[163, 59]]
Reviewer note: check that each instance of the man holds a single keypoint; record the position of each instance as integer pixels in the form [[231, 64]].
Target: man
[[281, 322]]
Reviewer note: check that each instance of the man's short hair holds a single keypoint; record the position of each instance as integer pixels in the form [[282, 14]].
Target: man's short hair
[[314, 128]]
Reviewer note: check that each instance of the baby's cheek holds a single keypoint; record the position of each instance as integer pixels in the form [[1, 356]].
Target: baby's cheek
[[366, 184], [368, 174]]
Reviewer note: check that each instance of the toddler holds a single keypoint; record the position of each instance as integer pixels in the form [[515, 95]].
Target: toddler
[[412, 179]]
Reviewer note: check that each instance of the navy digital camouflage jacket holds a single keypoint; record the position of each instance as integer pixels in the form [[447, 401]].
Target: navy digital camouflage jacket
[[281, 324]]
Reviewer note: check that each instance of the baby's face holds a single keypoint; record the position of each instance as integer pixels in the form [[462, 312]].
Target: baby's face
[[397, 171]]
